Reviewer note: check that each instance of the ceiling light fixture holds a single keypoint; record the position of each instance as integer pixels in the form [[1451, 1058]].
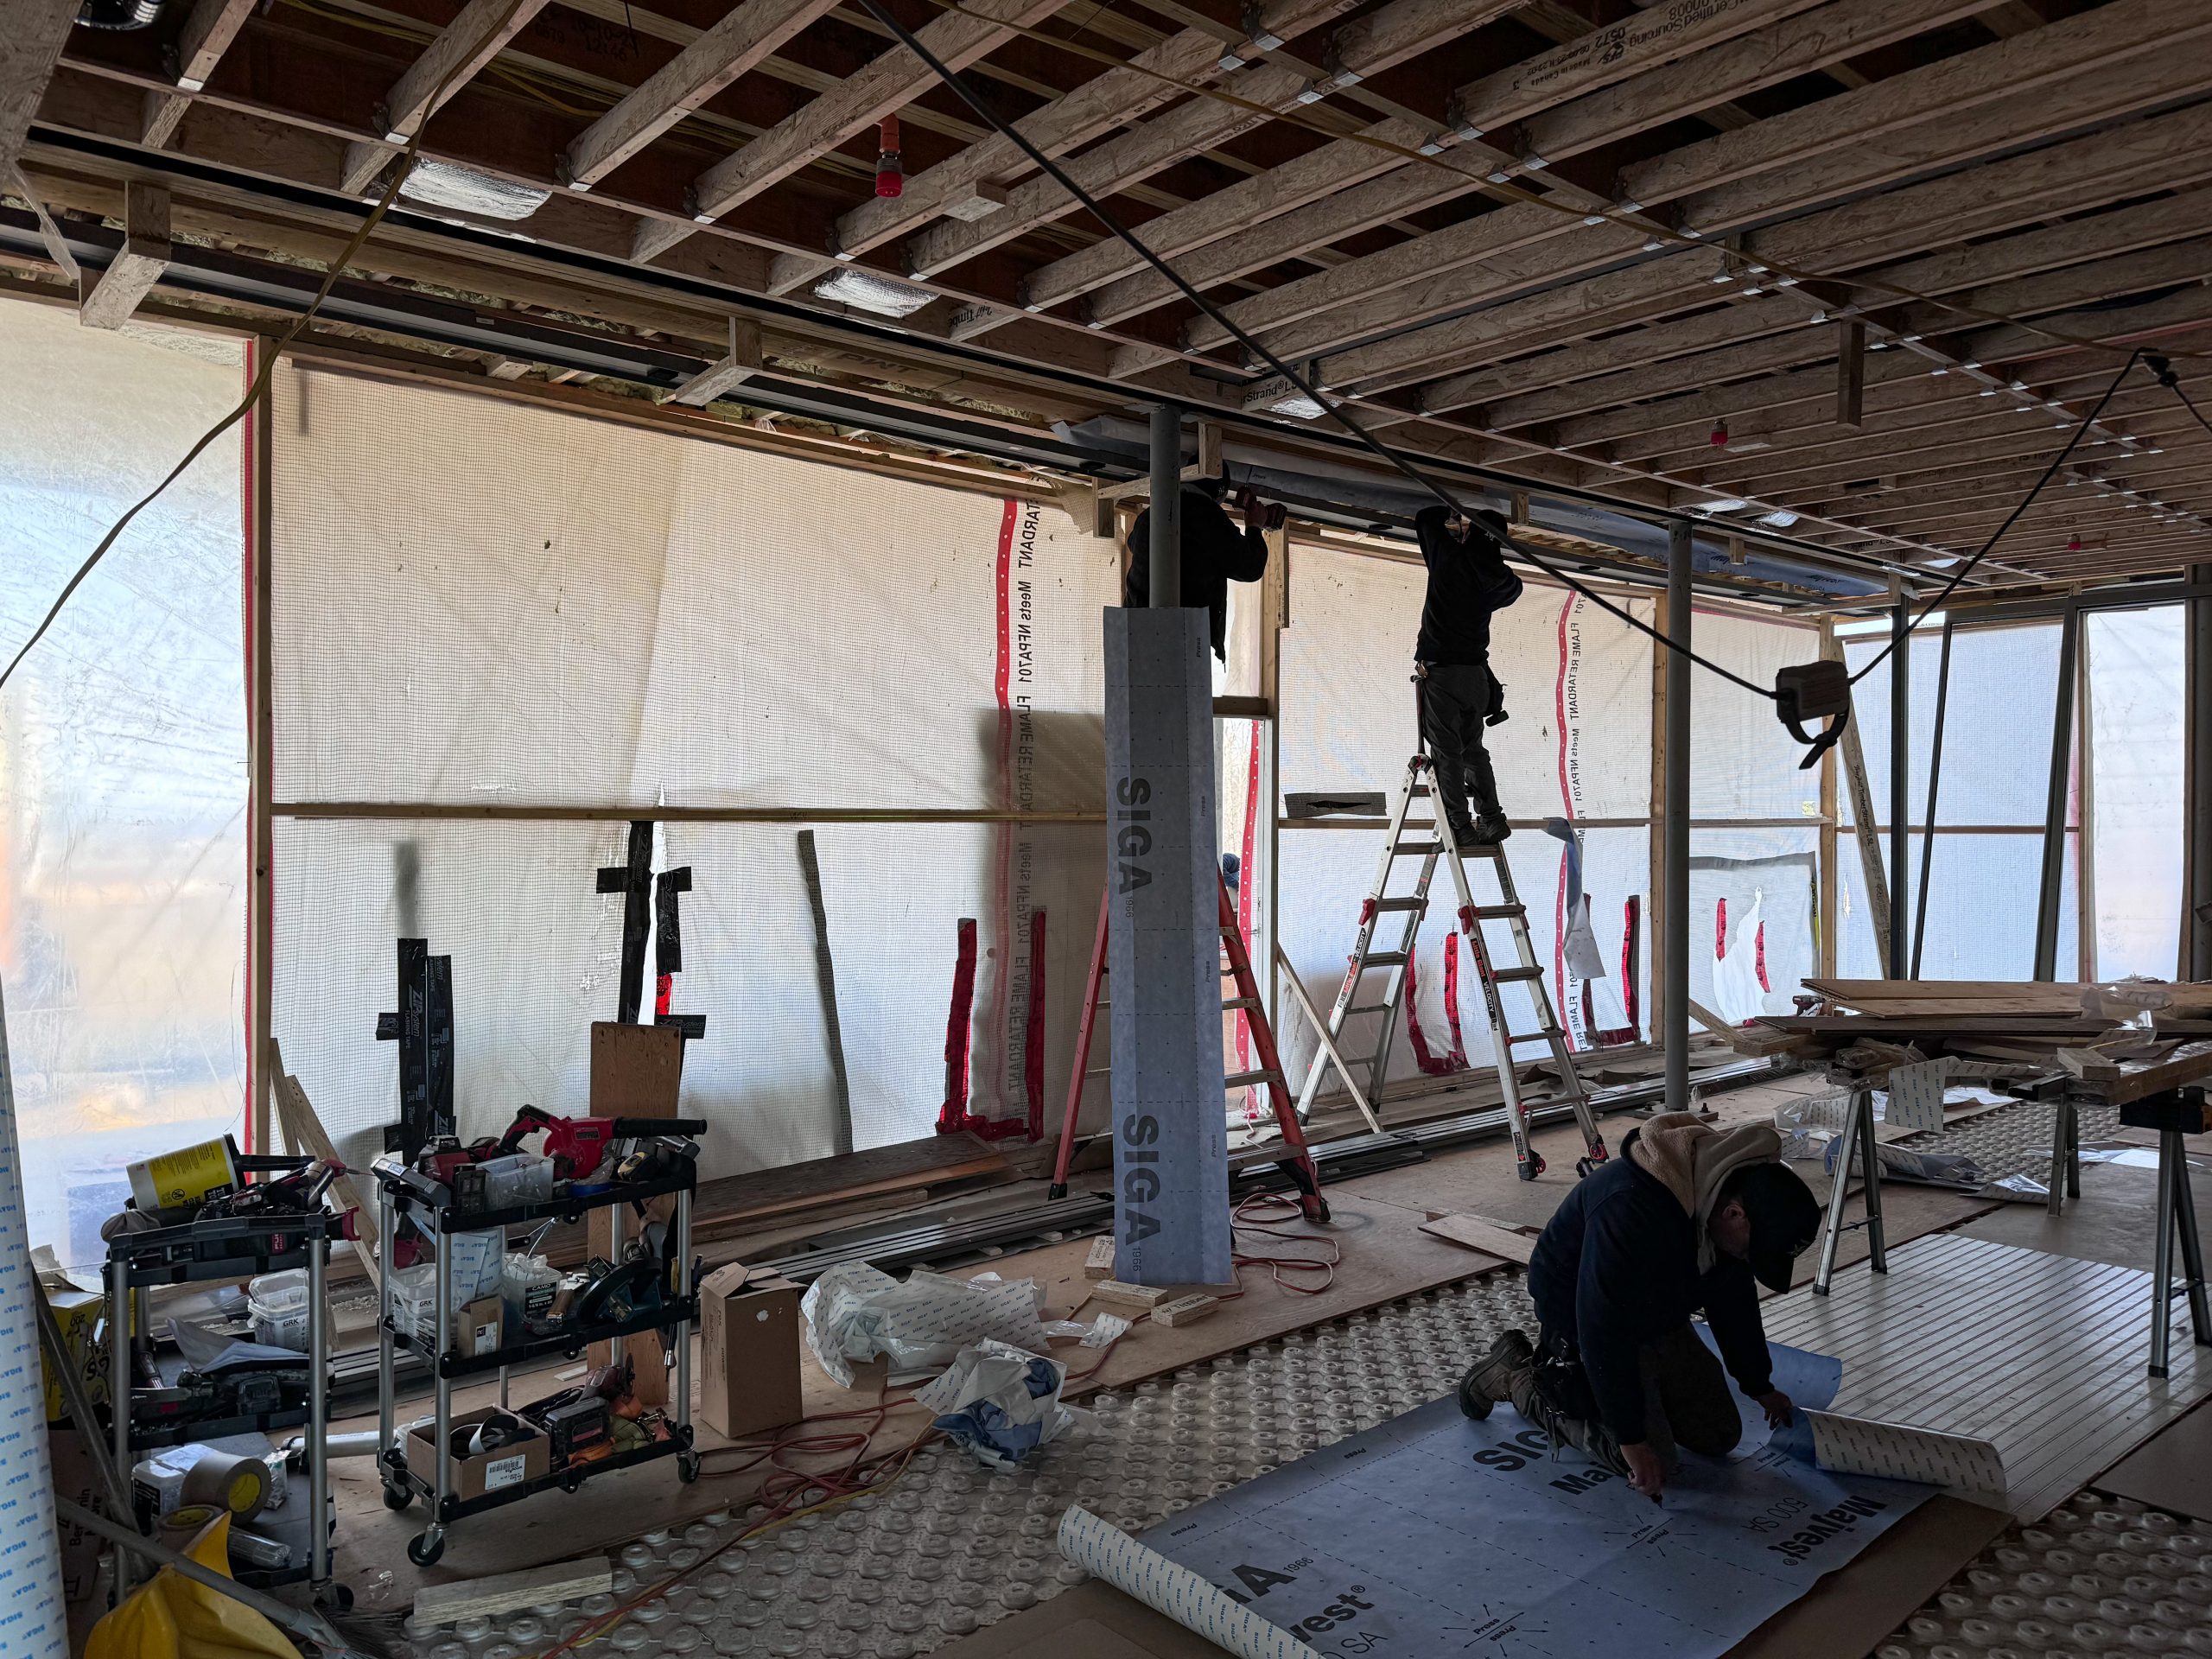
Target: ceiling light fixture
[[866, 290]]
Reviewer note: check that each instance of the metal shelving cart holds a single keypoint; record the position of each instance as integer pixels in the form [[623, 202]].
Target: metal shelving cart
[[679, 1308], [199, 1252]]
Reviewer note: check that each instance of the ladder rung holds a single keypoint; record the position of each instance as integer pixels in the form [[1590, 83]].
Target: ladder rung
[[1543, 1036], [1370, 1007], [1400, 904], [1238, 1079], [1498, 912], [1404, 847], [1504, 975], [1385, 959]]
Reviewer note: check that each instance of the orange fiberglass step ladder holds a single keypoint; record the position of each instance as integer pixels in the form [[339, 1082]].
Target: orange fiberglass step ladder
[[1391, 958], [1294, 1161]]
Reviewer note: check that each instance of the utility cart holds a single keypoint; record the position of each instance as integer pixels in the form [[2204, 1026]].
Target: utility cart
[[146, 1419], [675, 1313]]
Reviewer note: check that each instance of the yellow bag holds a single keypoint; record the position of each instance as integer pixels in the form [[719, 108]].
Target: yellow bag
[[170, 1617]]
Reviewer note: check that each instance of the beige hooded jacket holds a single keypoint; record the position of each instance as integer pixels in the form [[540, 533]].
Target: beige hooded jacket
[[1691, 1158]]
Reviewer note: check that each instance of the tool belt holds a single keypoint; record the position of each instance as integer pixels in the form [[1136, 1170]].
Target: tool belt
[[1561, 1380]]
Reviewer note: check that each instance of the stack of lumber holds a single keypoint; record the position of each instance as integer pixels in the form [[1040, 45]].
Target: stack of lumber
[[2028, 1024]]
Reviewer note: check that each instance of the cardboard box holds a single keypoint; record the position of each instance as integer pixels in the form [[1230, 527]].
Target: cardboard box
[[78, 1313], [476, 1327], [636, 1071], [473, 1477], [748, 1352]]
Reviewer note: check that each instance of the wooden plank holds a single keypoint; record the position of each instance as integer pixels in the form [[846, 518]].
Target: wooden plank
[[107, 299], [304, 1133], [1826, 917], [731, 47], [1871, 869], [209, 28], [1185, 1310], [507, 1592], [1099, 1262], [454, 57], [1487, 1236], [1123, 1294], [29, 46], [930, 1161], [825, 971]]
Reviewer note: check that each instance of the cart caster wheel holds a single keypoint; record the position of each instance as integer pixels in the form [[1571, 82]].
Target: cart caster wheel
[[572, 1483], [1531, 1166], [424, 1549], [396, 1497], [686, 1466]]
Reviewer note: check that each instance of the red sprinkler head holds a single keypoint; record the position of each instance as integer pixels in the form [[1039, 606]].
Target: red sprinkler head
[[890, 175]]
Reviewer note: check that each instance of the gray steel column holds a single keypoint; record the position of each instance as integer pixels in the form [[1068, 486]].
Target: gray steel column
[[2196, 935], [2054, 800], [1900, 776], [1166, 552], [1675, 1038], [1934, 783]]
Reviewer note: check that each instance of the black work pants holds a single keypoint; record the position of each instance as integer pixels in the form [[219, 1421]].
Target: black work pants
[[1456, 698], [1688, 1403]]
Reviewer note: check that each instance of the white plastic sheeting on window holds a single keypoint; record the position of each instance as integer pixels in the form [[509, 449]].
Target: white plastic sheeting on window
[[1743, 761], [1577, 743], [2137, 675], [478, 602], [123, 761]]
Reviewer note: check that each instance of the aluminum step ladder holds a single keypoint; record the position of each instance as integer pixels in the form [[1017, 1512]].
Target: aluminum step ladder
[[1373, 954], [1235, 965]]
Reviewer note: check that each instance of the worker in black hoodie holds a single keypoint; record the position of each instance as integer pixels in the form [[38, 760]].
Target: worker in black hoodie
[[1215, 552], [1468, 582], [1690, 1218]]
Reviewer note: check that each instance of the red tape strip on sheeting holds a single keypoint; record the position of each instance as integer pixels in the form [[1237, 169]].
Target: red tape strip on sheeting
[[953, 1117]]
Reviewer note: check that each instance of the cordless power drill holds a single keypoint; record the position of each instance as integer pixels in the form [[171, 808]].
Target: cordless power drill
[[578, 1145]]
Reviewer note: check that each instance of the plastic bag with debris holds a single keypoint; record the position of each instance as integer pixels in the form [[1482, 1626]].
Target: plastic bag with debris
[[1000, 1403], [1927, 1168], [856, 1311]]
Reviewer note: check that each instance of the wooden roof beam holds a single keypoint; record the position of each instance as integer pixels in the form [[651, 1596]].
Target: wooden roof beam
[[891, 79], [1830, 156], [453, 59], [729, 49], [1637, 103], [1395, 32], [209, 28]]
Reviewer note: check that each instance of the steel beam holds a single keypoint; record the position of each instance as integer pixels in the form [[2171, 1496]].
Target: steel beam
[[1675, 1037], [2055, 796]]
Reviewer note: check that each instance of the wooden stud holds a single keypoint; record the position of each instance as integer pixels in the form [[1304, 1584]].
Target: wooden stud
[[1826, 889], [106, 299], [1864, 829], [1851, 374], [507, 1592], [1099, 1262], [30, 45], [1147, 1297]]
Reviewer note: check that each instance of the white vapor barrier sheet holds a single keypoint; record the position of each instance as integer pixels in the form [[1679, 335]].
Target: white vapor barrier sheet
[[2137, 675], [123, 761], [1431, 1534], [537, 956], [556, 610], [1743, 762]]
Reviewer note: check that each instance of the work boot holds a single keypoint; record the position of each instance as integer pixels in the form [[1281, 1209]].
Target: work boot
[[1503, 1373], [1491, 828], [1465, 831]]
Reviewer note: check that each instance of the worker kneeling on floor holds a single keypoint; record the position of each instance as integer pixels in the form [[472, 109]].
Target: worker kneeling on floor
[[1692, 1219]]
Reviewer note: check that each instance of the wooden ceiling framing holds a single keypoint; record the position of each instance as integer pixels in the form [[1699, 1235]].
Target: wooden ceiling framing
[[1852, 269]]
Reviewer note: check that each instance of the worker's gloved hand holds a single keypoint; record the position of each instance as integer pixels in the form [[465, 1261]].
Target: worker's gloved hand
[[1777, 1407], [1260, 515], [1644, 1471]]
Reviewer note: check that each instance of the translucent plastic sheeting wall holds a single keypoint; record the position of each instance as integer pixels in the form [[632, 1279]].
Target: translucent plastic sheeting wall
[[1989, 808], [1576, 744], [2138, 678], [480, 603], [123, 761]]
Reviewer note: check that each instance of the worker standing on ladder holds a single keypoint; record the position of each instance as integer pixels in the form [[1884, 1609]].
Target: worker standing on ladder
[[1215, 552], [1692, 1219], [1468, 582]]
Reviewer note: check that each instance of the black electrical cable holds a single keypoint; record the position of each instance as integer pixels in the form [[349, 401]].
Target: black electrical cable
[[2049, 472], [2162, 370], [1213, 313]]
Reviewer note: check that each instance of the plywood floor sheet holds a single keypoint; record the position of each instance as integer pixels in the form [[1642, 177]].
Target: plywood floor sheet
[[2042, 1355]]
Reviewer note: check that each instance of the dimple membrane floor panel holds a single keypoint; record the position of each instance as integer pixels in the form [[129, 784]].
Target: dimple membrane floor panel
[[952, 1547]]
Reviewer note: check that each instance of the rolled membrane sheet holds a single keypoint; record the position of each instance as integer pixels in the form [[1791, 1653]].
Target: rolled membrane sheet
[[1106, 1552]]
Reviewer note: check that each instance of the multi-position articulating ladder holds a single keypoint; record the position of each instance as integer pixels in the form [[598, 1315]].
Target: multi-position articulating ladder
[[1292, 1157], [1385, 958]]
